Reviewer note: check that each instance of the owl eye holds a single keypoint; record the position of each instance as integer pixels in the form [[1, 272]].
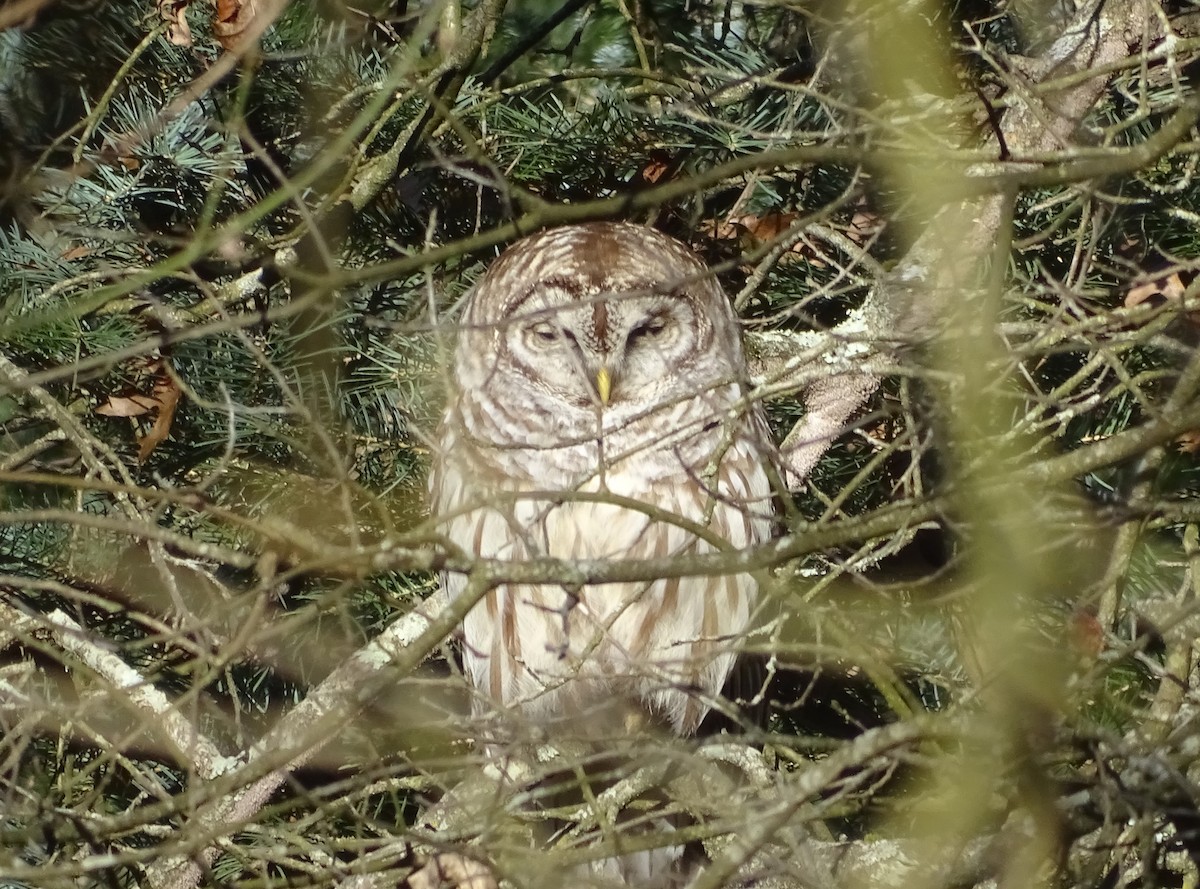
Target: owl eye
[[650, 329], [546, 334], [543, 333]]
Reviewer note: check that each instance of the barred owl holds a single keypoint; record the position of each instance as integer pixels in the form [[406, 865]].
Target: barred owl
[[599, 411]]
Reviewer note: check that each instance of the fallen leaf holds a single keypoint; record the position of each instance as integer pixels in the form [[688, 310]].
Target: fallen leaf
[[127, 406], [754, 231], [864, 224], [174, 13], [234, 18], [162, 402], [1171, 288], [722, 231], [768, 226], [1189, 442], [657, 167], [20, 13], [167, 395], [1086, 633]]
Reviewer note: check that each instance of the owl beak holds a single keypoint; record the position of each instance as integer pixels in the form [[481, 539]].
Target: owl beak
[[603, 385]]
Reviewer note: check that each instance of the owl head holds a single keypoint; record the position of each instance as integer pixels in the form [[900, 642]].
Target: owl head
[[607, 319]]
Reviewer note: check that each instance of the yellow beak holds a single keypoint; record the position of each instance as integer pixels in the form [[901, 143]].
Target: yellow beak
[[603, 384]]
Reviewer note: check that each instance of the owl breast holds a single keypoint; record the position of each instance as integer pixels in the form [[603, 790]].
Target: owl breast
[[551, 653]]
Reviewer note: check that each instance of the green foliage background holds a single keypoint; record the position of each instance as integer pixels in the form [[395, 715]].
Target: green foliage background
[[216, 241]]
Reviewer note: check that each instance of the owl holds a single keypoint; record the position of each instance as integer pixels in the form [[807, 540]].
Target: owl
[[599, 409]]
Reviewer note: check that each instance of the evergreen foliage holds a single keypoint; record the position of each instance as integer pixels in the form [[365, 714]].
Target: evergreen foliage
[[224, 356]]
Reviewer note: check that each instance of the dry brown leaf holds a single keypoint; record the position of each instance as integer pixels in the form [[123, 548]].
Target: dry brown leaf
[[721, 231], [863, 225], [162, 402], [654, 171], [20, 13], [174, 13], [167, 395], [760, 228], [234, 17], [127, 406], [659, 165], [756, 230], [1169, 287], [1086, 633], [771, 225], [1189, 442]]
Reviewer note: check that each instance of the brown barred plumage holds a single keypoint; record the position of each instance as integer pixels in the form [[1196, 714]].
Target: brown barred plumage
[[598, 376]]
